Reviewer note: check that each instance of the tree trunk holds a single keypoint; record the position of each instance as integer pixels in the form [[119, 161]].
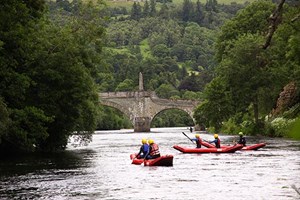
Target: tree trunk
[[255, 109]]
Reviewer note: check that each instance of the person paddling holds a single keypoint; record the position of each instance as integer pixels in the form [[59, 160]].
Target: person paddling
[[144, 149], [153, 151], [216, 141], [242, 139], [198, 140]]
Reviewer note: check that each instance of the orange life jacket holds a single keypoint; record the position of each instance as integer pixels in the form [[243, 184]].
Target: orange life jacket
[[154, 150]]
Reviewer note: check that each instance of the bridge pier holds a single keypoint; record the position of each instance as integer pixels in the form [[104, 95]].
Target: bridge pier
[[142, 124]]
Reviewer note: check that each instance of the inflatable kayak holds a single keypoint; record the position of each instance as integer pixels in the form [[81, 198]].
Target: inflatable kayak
[[245, 148], [165, 160], [254, 146], [230, 149]]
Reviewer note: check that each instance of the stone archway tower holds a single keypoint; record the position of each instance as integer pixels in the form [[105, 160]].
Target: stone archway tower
[[141, 82]]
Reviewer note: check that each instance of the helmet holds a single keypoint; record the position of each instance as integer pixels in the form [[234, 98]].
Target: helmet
[[241, 133], [197, 136], [144, 141], [150, 141], [216, 136]]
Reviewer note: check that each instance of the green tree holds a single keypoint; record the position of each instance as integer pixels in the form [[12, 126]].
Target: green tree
[[190, 95], [195, 82], [172, 118], [284, 49], [4, 119], [125, 65], [121, 33], [126, 85], [245, 73], [146, 9], [167, 32], [23, 124], [164, 11], [160, 50], [252, 19], [54, 68], [199, 13], [187, 10], [136, 11], [105, 82], [166, 91], [112, 119], [152, 8], [248, 75], [215, 109], [211, 5]]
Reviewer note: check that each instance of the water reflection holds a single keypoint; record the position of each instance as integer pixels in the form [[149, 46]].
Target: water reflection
[[30, 163], [102, 170]]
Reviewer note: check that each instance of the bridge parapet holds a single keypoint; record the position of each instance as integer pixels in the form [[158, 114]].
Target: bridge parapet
[[134, 94]]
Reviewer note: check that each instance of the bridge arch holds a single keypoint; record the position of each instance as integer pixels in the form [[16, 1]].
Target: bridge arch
[[189, 115], [119, 107]]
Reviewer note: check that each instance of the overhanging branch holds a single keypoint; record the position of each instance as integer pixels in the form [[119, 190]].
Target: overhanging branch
[[295, 18], [274, 20]]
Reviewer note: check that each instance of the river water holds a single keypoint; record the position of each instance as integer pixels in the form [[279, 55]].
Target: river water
[[103, 170]]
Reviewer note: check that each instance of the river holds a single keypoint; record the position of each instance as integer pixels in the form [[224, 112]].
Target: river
[[103, 170]]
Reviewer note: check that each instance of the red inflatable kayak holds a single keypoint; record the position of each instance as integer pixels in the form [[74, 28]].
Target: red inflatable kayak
[[230, 149], [254, 146], [165, 160], [245, 148]]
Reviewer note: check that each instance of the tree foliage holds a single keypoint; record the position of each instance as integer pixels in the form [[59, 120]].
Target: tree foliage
[[47, 75], [251, 76]]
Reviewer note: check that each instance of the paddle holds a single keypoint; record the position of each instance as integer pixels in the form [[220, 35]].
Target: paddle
[[188, 137]]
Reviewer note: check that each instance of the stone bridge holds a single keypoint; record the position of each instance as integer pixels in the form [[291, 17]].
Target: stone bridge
[[141, 107]]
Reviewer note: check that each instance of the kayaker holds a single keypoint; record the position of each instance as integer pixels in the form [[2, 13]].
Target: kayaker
[[153, 151], [198, 140], [216, 141], [144, 150], [242, 139]]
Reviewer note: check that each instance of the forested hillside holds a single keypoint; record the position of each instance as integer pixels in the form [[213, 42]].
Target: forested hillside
[[172, 44], [57, 55]]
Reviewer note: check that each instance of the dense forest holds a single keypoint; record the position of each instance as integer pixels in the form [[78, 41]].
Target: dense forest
[[242, 61]]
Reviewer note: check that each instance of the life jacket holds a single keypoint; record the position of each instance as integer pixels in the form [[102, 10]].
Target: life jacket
[[242, 141], [154, 150], [218, 143], [198, 142]]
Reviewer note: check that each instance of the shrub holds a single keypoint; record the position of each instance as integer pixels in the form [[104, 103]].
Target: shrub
[[280, 127], [230, 127]]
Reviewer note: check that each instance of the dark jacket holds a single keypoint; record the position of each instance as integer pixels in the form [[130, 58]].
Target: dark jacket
[[242, 140]]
